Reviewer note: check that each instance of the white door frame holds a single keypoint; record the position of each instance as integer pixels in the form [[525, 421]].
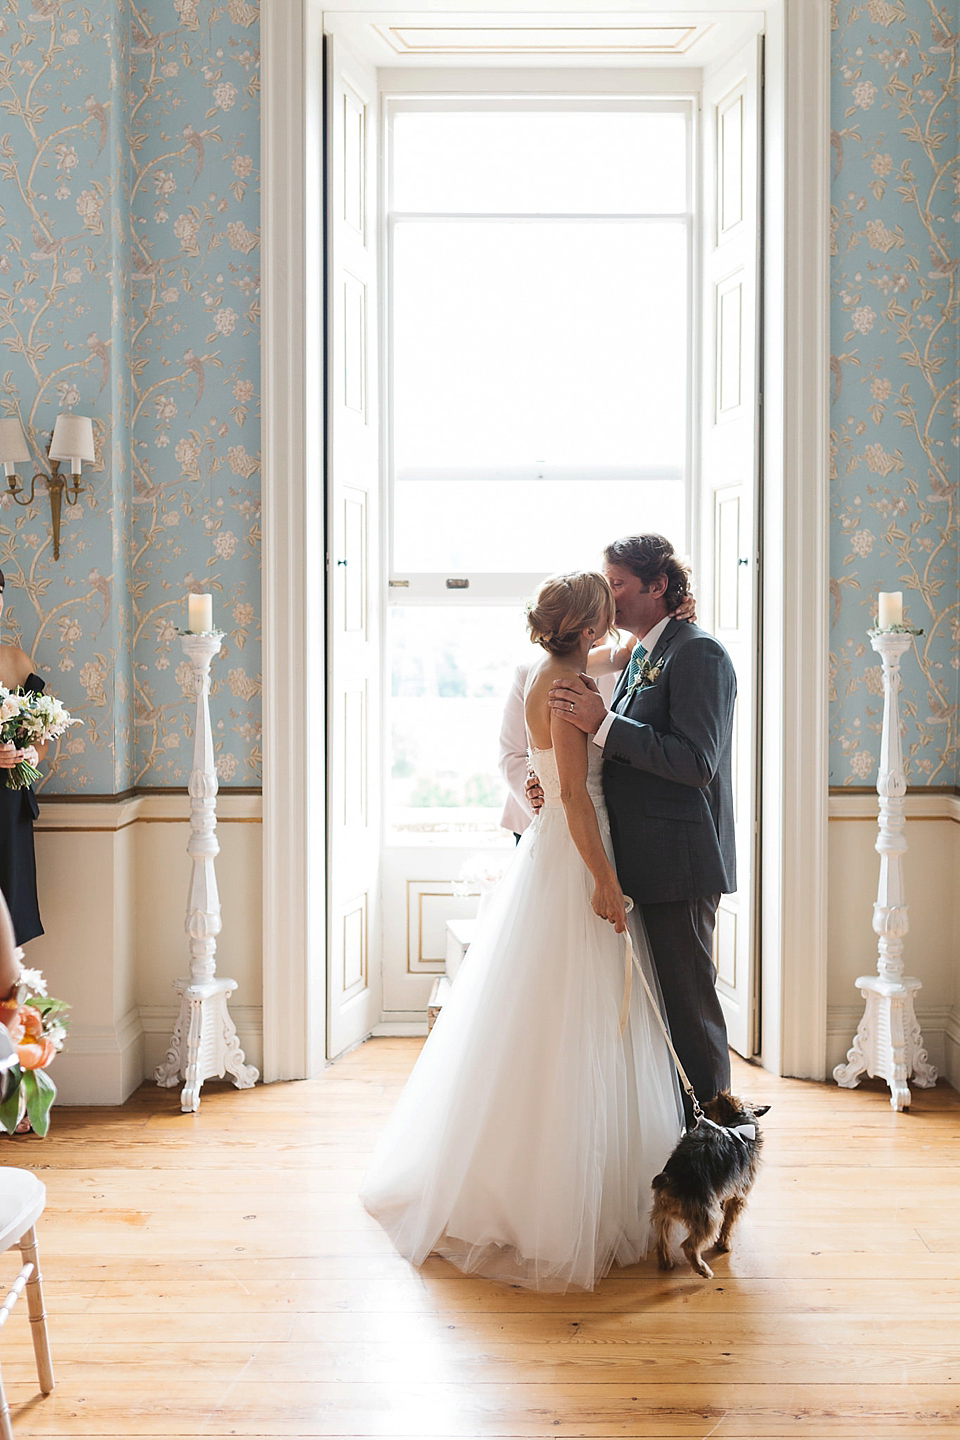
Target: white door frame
[[795, 535]]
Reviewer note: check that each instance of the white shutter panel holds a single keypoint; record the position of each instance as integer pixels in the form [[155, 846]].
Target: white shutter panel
[[353, 534], [730, 479]]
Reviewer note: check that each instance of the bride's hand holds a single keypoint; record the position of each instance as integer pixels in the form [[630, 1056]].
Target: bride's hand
[[608, 903], [687, 610]]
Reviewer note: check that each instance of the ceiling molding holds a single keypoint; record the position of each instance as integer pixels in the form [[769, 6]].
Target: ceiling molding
[[534, 39], [552, 37]]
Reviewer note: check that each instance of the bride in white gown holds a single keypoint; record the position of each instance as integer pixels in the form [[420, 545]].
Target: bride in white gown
[[524, 1143]]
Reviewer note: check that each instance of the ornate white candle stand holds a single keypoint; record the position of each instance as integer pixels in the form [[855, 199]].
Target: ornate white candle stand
[[888, 1041], [204, 1040]]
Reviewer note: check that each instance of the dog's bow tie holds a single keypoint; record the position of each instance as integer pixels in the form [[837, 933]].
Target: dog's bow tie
[[743, 1133]]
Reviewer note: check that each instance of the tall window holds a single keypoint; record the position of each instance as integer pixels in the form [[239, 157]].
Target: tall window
[[538, 396]]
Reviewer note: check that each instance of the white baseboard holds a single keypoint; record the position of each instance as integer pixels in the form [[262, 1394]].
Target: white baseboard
[[101, 1064], [941, 1036], [400, 1028]]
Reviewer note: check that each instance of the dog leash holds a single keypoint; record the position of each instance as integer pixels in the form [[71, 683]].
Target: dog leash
[[631, 963]]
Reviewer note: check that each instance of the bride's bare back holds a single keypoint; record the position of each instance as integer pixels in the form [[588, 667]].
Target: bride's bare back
[[570, 746], [535, 707]]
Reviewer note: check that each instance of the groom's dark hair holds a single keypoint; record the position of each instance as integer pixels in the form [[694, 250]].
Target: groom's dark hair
[[648, 557]]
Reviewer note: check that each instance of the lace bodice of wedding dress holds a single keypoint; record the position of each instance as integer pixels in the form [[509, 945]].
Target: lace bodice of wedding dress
[[544, 763]]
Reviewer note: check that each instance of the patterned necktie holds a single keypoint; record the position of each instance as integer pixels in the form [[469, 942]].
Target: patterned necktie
[[637, 658]]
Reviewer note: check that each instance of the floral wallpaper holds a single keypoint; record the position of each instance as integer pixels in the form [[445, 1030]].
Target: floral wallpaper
[[129, 290], [192, 146], [895, 425]]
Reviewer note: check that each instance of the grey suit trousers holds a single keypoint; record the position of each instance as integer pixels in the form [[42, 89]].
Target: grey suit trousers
[[681, 941]]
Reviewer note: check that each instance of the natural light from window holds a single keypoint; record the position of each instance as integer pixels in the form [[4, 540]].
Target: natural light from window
[[539, 398]]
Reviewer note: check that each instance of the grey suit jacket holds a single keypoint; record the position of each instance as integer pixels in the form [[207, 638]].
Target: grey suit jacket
[[667, 773]]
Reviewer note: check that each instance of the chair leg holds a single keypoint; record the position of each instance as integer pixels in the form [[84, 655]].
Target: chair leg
[[6, 1428], [38, 1316]]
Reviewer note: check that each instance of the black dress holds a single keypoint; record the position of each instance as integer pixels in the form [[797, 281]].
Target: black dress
[[18, 866]]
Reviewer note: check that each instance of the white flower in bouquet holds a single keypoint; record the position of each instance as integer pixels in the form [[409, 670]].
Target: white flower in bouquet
[[34, 981], [30, 726], [9, 706], [54, 715], [29, 718], [56, 1032]]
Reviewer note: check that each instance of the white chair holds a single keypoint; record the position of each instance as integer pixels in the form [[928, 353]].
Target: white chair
[[22, 1198]]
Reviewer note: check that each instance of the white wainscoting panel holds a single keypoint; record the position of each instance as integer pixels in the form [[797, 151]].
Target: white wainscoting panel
[[113, 877], [932, 945], [430, 904]]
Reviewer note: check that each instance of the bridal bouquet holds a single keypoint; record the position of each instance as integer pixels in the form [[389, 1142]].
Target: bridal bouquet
[[37, 1025], [28, 718]]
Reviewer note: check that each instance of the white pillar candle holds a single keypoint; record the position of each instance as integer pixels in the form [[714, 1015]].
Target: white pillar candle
[[199, 613], [890, 609]]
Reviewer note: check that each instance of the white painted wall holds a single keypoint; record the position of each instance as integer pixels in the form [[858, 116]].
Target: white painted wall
[[113, 879]]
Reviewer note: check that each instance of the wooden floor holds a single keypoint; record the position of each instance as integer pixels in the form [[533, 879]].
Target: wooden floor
[[215, 1275]]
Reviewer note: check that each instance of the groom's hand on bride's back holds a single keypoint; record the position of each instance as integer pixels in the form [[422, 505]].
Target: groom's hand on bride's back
[[534, 792], [579, 701]]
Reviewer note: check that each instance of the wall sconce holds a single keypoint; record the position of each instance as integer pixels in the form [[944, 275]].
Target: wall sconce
[[72, 441]]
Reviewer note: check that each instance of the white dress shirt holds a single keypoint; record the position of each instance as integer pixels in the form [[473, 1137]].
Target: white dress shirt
[[648, 642]]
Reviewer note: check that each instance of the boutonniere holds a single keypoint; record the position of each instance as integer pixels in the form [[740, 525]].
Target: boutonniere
[[646, 676]]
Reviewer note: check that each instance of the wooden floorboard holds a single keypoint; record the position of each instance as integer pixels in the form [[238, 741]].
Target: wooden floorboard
[[214, 1275]]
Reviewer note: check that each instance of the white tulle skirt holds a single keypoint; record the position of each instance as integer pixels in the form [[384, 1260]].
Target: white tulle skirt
[[524, 1143]]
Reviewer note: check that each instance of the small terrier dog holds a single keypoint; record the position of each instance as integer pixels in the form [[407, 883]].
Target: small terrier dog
[[705, 1183]]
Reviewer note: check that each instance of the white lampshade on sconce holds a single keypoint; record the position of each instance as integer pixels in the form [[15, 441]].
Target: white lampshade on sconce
[[13, 444], [71, 444], [73, 440]]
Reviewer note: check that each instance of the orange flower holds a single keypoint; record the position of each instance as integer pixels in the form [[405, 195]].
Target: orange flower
[[10, 1017], [32, 1022], [36, 1054]]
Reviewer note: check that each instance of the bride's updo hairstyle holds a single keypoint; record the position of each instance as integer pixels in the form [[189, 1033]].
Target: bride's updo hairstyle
[[565, 605]]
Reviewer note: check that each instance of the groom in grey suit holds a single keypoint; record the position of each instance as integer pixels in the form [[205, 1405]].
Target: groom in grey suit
[[667, 780]]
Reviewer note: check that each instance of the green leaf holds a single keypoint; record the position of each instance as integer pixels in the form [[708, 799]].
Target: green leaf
[[50, 1007], [10, 1107], [40, 1092]]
